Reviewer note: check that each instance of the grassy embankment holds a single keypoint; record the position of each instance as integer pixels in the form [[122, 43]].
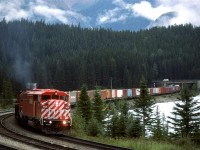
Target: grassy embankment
[[142, 143]]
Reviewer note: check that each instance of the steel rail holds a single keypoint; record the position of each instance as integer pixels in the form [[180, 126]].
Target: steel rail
[[90, 143], [27, 140]]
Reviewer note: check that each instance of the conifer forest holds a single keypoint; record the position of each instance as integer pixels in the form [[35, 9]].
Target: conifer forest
[[67, 56]]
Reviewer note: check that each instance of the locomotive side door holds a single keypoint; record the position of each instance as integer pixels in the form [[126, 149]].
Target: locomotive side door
[[27, 105], [37, 107]]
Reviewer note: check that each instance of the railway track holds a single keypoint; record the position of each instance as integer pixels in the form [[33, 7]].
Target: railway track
[[47, 145], [91, 144], [3, 147], [27, 140]]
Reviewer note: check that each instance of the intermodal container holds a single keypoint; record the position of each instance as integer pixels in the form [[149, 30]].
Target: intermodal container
[[77, 95], [72, 97], [103, 94], [108, 94], [125, 93], [113, 94], [155, 90], [129, 93], [91, 94], [150, 91], [159, 90], [167, 89], [119, 93], [177, 87], [171, 89], [133, 92], [137, 92]]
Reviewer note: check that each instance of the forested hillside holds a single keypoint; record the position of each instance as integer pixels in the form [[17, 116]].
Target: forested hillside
[[65, 57]]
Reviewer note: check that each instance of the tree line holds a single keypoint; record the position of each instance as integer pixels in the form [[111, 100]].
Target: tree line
[[67, 56]]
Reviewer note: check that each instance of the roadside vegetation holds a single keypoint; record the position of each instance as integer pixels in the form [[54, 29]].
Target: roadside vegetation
[[142, 129]]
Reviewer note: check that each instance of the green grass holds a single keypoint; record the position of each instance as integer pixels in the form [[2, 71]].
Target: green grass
[[138, 144]]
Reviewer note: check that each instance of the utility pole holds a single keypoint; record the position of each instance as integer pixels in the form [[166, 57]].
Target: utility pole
[[111, 83]]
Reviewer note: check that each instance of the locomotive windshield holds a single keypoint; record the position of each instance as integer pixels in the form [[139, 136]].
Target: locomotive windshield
[[62, 97], [54, 96], [46, 97]]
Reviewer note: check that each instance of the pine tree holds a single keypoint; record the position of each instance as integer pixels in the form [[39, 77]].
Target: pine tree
[[134, 127], [94, 128], [79, 124], [186, 115], [122, 107], [98, 107], [122, 125], [144, 106], [114, 127], [84, 104], [159, 127], [7, 93]]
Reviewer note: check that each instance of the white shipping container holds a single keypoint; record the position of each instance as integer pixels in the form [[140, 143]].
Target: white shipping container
[[113, 94], [119, 93], [72, 97], [137, 92], [155, 90]]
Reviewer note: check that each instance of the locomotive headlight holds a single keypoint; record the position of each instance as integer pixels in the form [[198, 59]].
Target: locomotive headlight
[[50, 122], [64, 122]]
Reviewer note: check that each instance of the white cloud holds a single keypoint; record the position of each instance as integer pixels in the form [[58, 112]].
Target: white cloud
[[116, 14], [146, 10], [111, 16], [122, 4], [14, 10], [186, 11], [50, 13]]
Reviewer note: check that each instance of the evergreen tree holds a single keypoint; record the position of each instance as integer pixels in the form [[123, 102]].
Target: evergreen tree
[[159, 127], [119, 119], [134, 127], [144, 106], [186, 115], [79, 124], [98, 107], [122, 107], [94, 127], [84, 104], [122, 122], [114, 127], [7, 93], [110, 113]]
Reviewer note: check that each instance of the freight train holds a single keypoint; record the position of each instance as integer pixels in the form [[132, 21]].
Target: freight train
[[44, 109], [108, 94]]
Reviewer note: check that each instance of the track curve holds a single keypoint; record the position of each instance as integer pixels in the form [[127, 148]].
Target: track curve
[[91, 144], [27, 140], [79, 143]]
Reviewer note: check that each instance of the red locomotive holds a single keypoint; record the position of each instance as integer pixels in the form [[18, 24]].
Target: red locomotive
[[46, 109]]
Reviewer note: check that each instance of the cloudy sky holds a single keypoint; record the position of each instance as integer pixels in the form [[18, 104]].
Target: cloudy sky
[[63, 10], [186, 11]]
